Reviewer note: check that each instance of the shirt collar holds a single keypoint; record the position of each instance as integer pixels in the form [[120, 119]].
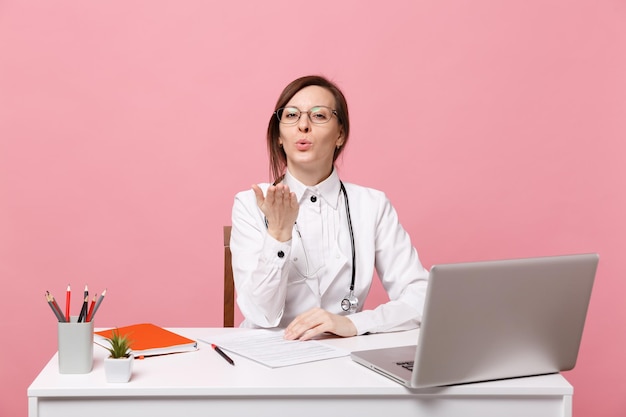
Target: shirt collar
[[327, 189]]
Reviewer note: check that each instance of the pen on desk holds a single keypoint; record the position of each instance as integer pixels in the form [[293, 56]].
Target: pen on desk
[[55, 310], [95, 309], [222, 354], [68, 296], [83, 311], [91, 306]]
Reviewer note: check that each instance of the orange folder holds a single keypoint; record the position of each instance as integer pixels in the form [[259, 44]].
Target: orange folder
[[148, 339]]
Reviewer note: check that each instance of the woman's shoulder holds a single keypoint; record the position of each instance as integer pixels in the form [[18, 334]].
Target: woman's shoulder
[[361, 191]]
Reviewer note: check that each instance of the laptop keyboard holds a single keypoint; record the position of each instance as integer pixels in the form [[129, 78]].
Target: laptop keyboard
[[406, 365]]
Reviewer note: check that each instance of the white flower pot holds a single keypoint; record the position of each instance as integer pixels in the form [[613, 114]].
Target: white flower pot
[[118, 370]]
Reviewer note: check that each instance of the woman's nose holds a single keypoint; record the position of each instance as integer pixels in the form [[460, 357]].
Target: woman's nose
[[304, 122]]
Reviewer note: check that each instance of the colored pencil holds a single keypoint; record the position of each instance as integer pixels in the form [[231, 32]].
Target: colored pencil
[[68, 297], [55, 309], [91, 306], [83, 311], [95, 310]]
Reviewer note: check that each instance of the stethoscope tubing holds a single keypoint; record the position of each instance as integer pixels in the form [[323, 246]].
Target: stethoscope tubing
[[349, 300]]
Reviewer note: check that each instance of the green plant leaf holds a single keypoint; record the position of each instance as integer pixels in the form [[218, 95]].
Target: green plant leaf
[[120, 345]]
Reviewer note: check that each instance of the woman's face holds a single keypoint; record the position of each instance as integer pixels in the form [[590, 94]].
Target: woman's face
[[310, 147]]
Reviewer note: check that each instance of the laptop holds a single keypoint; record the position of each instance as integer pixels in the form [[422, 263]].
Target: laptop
[[493, 320]]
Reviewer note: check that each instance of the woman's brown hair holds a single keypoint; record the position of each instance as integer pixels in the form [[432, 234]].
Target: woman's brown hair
[[278, 159]]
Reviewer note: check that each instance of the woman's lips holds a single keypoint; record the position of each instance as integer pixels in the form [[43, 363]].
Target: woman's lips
[[303, 145]]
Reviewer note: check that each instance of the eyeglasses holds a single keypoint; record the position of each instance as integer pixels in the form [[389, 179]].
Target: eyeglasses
[[317, 115]]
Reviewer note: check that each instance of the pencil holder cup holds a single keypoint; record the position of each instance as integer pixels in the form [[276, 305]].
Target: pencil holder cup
[[75, 343]]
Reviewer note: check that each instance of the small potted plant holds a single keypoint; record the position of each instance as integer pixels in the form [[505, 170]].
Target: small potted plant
[[118, 366]]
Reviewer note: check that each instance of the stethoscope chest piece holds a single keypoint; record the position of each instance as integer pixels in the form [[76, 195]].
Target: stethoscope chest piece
[[350, 303]]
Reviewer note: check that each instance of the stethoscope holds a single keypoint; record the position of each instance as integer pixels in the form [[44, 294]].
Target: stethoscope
[[350, 302]]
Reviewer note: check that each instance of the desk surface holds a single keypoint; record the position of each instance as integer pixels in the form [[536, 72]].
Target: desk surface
[[205, 376]]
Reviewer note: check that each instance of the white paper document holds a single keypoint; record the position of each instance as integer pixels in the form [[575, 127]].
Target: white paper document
[[269, 348]]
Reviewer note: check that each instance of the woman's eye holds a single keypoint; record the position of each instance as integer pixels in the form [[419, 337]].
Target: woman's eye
[[291, 114]]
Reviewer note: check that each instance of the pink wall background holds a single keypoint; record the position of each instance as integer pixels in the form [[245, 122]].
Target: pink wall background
[[126, 127]]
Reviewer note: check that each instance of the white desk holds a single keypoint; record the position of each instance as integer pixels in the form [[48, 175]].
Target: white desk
[[203, 384]]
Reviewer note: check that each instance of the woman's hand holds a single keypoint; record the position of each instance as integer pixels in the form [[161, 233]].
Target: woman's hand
[[280, 208], [317, 321]]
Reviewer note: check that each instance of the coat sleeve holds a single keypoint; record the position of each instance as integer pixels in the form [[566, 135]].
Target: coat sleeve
[[259, 262]]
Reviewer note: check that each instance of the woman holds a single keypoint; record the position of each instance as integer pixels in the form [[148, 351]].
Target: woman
[[304, 248]]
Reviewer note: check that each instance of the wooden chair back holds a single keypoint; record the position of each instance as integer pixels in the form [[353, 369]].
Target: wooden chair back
[[229, 283]]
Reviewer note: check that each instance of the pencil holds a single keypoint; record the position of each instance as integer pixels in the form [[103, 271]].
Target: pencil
[[93, 303], [56, 307], [68, 296], [83, 311], [56, 312], [95, 310]]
